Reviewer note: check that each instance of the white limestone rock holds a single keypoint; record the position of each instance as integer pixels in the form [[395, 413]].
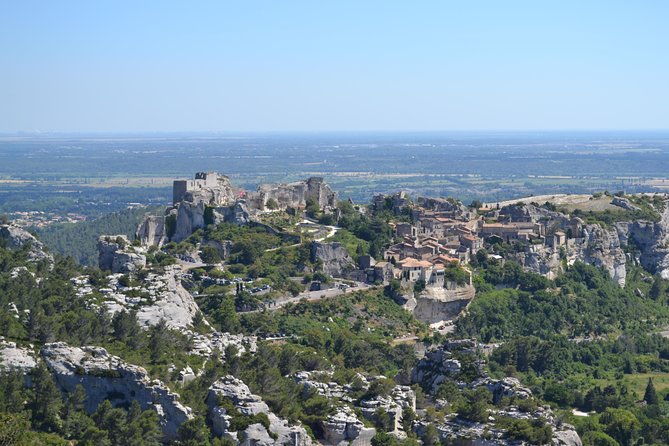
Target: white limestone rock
[[343, 428], [175, 304], [248, 404], [335, 258], [13, 357], [16, 237], [117, 255], [108, 377]]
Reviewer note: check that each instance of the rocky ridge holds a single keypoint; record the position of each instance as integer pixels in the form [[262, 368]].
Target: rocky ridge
[[231, 389], [108, 377]]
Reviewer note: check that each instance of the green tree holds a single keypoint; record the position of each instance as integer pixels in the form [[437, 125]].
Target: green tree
[[272, 204], [210, 254], [193, 432], [596, 438], [621, 425], [650, 396], [46, 402], [14, 428]]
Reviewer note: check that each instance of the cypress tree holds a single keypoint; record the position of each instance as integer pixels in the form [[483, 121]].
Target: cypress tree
[[650, 396]]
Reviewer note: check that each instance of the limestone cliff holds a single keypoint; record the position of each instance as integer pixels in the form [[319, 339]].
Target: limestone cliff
[[107, 377], [117, 255], [151, 230], [334, 257], [652, 241], [15, 237], [436, 304]]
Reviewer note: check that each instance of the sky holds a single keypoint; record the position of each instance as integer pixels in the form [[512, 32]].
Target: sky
[[242, 66]]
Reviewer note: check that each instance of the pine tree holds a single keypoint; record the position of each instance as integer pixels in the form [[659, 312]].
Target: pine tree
[[650, 396]]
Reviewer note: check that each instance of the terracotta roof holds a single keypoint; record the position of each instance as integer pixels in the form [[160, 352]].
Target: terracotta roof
[[413, 263]]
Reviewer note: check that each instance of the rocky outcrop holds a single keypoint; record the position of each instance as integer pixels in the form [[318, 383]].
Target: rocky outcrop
[[535, 214], [394, 404], [436, 304], [17, 358], [237, 214], [566, 437], [189, 217], [15, 237], [117, 255], [223, 248], [601, 247], [107, 377], [334, 257], [437, 366], [624, 203], [296, 195], [343, 428], [234, 391], [540, 259], [449, 205], [151, 230], [652, 241], [160, 296], [507, 387], [175, 304]]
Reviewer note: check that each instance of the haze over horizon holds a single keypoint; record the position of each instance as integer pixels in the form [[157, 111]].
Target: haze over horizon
[[319, 67]]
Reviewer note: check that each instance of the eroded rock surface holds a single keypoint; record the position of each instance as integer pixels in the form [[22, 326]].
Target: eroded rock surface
[[237, 393], [335, 258], [108, 377], [15, 238], [117, 255]]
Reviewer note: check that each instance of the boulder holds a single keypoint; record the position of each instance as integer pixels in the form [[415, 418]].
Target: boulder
[[108, 377]]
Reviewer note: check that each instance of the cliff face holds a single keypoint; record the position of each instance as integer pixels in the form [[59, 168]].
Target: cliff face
[[440, 304], [334, 256], [601, 247], [118, 256], [107, 377], [152, 230], [652, 241]]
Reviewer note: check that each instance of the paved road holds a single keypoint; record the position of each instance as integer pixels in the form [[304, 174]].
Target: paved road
[[312, 296]]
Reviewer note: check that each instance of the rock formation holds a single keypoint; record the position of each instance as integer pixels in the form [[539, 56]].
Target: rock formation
[[107, 377], [152, 231], [601, 247], [15, 237], [117, 255], [343, 428], [237, 393], [436, 304], [296, 194], [211, 199], [13, 357], [652, 241], [334, 257]]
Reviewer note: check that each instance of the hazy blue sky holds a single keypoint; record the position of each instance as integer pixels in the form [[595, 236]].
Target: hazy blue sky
[[337, 65]]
